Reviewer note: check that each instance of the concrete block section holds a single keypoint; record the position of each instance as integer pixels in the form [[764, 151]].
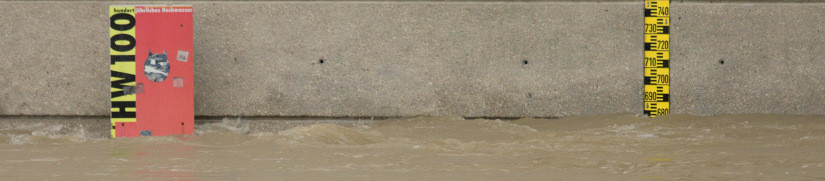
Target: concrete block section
[[428, 58], [405, 59], [748, 58], [348, 59]]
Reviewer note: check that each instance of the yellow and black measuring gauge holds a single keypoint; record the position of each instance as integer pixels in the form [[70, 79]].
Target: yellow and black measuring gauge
[[657, 57]]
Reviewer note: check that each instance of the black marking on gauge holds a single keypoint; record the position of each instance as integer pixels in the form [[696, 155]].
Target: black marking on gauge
[[662, 21], [653, 4], [649, 80], [663, 63]]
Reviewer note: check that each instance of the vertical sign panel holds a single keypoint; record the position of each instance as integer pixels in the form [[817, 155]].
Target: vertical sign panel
[[657, 57], [151, 70]]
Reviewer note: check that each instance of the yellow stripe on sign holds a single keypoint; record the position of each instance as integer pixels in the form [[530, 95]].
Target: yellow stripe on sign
[[656, 57], [118, 120], [125, 98], [112, 32], [122, 64], [129, 109], [123, 67]]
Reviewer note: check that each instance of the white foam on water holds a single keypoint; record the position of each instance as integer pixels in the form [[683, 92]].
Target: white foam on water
[[331, 134], [226, 125], [42, 133]]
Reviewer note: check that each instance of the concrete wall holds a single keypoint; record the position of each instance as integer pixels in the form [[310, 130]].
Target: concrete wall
[[432, 58]]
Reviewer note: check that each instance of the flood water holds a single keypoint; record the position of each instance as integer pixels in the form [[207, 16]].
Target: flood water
[[601, 147]]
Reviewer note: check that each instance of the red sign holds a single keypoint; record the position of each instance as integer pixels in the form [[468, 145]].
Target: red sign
[[152, 70]]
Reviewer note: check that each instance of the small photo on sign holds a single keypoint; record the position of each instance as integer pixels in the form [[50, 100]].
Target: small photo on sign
[[177, 82], [183, 56], [139, 88]]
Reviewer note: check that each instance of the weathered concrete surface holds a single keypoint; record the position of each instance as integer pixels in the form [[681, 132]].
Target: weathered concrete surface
[[424, 58], [774, 58]]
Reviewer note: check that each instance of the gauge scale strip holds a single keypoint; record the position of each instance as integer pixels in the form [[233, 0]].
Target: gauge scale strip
[[657, 57]]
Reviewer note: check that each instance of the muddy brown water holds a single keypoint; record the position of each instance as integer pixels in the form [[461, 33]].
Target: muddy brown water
[[600, 147]]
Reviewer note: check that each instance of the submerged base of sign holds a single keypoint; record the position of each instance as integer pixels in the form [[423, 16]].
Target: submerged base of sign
[[152, 95]]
